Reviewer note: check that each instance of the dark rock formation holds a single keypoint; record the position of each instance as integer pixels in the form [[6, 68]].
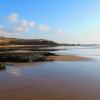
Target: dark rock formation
[[2, 66], [25, 57]]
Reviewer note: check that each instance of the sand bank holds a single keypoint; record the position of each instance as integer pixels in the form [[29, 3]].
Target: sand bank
[[67, 58]]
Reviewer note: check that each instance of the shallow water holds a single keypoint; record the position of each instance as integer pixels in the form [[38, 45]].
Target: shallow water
[[57, 80]]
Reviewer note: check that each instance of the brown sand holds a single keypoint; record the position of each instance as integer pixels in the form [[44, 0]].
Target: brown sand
[[67, 58]]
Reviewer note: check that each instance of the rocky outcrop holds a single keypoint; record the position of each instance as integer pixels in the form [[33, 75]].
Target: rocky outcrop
[[2, 66], [25, 57]]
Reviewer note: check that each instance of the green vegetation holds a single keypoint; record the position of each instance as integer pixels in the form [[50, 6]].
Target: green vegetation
[[14, 41]]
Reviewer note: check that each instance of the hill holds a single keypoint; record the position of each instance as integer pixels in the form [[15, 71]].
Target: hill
[[15, 41]]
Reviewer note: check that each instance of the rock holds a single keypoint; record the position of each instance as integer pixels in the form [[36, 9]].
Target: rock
[[2, 66], [25, 57]]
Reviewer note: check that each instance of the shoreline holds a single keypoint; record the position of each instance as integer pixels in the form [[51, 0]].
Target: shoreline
[[67, 58], [56, 58], [52, 58], [31, 57]]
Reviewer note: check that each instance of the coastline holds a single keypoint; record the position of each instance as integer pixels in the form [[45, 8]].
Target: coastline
[[67, 58], [64, 58], [30, 56], [56, 58]]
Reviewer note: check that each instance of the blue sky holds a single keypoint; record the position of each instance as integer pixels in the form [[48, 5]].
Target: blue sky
[[69, 21]]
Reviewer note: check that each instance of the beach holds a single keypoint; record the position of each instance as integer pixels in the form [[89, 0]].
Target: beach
[[67, 58], [24, 56], [49, 50], [69, 76]]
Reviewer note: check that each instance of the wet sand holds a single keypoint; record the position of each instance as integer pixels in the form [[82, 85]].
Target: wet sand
[[49, 81], [67, 58]]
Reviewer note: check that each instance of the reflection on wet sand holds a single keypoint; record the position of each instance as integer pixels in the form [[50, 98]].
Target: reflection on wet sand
[[14, 71], [50, 81]]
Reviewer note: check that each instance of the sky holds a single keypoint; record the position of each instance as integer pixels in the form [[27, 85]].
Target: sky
[[65, 21]]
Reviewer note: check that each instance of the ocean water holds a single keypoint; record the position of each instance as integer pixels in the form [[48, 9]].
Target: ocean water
[[56, 80]]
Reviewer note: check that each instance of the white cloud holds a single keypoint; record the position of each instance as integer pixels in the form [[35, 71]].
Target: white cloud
[[60, 32], [13, 17], [13, 30], [20, 30], [20, 25], [31, 24], [23, 23], [24, 26], [44, 28], [26, 23]]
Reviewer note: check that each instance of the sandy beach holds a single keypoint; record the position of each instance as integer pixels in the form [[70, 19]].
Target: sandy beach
[[67, 58], [63, 77]]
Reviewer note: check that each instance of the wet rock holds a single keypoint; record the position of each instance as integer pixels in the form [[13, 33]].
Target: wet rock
[[2, 66], [25, 57]]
